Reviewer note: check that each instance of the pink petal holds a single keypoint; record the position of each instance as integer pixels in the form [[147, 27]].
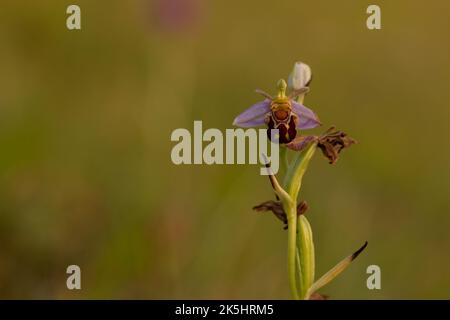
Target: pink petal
[[253, 116], [308, 119]]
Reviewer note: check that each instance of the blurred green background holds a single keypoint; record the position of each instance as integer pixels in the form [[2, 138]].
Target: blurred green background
[[85, 171]]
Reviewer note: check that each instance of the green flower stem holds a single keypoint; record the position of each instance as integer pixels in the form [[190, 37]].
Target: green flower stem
[[289, 206], [291, 211], [300, 245], [284, 159], [293, 180]]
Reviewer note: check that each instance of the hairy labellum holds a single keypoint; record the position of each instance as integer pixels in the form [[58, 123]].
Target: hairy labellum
[[287, 131]]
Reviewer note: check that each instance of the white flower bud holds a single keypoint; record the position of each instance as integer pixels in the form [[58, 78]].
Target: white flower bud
[[300, 76]]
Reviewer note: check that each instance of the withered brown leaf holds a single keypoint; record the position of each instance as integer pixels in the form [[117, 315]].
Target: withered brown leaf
[[277, 209]]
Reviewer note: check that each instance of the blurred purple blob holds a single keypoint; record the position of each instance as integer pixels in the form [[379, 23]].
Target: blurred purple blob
[[176, 15]]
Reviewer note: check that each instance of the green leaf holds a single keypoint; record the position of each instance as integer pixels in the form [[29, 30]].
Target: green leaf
[[335, 271], [305, 249]]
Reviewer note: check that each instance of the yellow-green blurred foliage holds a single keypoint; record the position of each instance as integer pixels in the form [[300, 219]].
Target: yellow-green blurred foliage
[[85, 170]]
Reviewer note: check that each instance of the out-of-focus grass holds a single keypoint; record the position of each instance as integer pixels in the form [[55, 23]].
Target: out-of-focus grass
[[86, 176]]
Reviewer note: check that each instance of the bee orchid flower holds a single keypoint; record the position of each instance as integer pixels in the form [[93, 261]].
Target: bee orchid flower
[[287, 113], [281, 112]]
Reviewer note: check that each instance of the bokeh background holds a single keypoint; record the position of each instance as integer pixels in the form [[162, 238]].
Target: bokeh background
[[85, 170]]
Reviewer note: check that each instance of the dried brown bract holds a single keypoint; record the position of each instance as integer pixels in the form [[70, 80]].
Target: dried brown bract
[[277, 208], [332, 142]]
